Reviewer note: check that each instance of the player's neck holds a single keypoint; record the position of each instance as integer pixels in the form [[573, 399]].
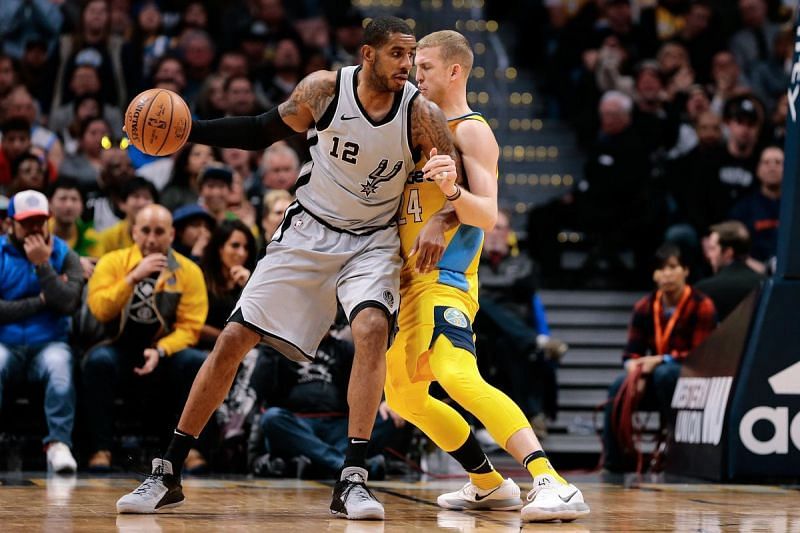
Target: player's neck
[[376, 101], [455, 103]]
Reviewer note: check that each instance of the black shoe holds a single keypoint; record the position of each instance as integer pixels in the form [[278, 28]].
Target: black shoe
[[352, 499], [160, 490]]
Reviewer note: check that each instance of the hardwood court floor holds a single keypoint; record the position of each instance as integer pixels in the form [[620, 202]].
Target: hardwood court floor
[[83, 504]]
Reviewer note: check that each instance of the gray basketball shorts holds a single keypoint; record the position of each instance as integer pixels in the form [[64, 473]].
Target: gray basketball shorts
[[291, 296]]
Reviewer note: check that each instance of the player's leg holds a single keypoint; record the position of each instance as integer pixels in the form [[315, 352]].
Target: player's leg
[[162, 489], [368, 288], [456, 370], [351, 498], [448, 430]]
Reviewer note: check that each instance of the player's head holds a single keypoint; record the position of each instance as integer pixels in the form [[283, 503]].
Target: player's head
[[388, 53], [443, 58]]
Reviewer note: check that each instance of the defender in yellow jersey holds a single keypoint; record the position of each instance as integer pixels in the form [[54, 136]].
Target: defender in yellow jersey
[[441, 226]]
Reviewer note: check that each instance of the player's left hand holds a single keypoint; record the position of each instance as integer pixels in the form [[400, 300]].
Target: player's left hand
[[385, 411], [428, 246], [151, 358], [442, 170]]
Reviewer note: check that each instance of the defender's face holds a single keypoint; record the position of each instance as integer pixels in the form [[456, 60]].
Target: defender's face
[[432, 74], [392, 62]]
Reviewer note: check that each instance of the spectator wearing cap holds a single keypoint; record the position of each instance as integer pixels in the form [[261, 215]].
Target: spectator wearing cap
[[92, 44], [193, 227], [152, 303], [760, 210], [719, 180], [215, 186], [23, 22], [727, 250], [40, 287], [135, 195], [15, 142], [66, 206]]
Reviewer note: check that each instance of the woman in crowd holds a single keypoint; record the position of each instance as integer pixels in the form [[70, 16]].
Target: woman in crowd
[[229, 258], [85, 164]]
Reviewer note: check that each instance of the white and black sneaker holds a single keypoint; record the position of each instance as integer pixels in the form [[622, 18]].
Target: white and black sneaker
[[352, 499], [551, 500], [160, 490], [504, 497]]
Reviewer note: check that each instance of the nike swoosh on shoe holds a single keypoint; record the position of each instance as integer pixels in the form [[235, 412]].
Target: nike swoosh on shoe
[[478, 497], [566, 500]]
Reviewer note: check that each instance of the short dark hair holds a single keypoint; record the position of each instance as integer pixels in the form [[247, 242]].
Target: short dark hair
[[64, 182], [229, 81], [667, 251], [15, 124], [137, 184], [21, 158], [734, 235], [379, 29]]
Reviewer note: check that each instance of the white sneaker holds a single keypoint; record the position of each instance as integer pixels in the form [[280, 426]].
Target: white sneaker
[[551, 500], [352, 499], [504, 497], [161, 490], [59, 459]]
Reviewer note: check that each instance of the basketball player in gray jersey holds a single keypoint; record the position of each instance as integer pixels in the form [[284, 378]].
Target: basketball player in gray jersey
[[338, 240]]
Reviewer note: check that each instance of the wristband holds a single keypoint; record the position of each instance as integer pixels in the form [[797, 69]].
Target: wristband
[[161, 352], [455, 196]]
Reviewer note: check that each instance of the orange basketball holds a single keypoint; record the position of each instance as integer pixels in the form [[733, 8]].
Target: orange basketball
[[158, 122]]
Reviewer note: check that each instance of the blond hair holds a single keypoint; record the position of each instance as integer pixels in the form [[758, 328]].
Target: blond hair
[[272, 197], [454, 48]]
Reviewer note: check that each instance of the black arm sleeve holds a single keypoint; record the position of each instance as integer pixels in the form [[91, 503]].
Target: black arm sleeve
[[246, 133]]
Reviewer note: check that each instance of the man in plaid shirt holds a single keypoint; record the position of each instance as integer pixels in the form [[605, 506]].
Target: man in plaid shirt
[[666, 325]]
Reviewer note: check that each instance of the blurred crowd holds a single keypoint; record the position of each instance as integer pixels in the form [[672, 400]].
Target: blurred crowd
[[681, 108]]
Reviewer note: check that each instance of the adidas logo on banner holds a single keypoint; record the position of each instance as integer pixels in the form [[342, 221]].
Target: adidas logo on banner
[[785, 382]]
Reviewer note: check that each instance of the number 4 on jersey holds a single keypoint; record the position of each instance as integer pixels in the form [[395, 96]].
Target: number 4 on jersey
[[414, 207]]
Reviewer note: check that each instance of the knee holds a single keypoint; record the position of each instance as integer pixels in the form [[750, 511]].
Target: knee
[[270, 416], [460, 385], [370, 327], [614, 388], [99, 360], [231, 346], [190, 359], [665, 376], [57, 358]]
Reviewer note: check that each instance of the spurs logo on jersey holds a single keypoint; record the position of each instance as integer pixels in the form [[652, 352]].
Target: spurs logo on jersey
[[355, 179], [376, 178]]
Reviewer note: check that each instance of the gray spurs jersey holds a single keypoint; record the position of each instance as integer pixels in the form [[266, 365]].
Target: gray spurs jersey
[[354, 181]]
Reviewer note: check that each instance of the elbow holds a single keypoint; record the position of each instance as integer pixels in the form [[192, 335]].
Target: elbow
[[489, 221]]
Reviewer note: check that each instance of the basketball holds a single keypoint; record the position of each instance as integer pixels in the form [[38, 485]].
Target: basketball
[[158, 122]]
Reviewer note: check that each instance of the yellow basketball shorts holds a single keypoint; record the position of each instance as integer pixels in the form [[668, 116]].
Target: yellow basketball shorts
[[428, 310]]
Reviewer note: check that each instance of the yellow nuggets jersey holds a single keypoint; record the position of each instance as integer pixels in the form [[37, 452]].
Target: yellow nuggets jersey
[[445, 300]]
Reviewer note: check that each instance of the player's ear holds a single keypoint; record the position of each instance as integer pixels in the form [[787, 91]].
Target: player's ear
[[367, 53], [455, 70]]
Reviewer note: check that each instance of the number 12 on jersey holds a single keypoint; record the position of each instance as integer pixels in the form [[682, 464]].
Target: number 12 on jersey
[[412, 208]]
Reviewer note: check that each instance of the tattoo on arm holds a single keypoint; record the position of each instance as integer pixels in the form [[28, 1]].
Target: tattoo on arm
[[309, 99], [429, 130]]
